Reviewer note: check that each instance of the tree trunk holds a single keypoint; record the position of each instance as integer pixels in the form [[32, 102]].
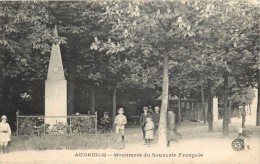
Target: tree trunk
[[210, 114], [1, 84], [162, 140], [203, 104], [226, 111], [250, 111], [114, 104], [37, 97], [71, 80], [198, 111], [179, 109], [210, 109], [193, 111], [92, 102], [229, 110], [71, 94], [258, 102]]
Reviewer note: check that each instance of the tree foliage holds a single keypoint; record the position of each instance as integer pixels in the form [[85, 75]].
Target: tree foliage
[[124, 44]]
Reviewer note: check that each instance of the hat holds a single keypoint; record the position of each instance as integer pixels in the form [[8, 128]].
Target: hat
[[3, 117], [145, 108]]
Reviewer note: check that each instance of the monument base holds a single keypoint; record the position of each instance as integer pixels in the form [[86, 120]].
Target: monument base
[[55, 101]]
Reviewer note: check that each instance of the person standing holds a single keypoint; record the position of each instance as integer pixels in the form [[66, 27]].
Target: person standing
[[156, 119], [149, 130], [243, 114], [172, 134], [143, 117], [150, 110], [5, 134], [105, 121], [120, 122]]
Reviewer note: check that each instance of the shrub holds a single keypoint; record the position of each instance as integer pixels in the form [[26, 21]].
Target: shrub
[[31, 125]]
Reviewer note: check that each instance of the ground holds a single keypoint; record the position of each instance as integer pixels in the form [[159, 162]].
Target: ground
[[196, 146]]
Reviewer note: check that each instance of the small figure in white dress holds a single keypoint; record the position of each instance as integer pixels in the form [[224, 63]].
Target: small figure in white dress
[[5, 134], [149, 130]]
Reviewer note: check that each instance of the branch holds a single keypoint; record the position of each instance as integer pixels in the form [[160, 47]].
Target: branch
[[169, 25], [163, 26]]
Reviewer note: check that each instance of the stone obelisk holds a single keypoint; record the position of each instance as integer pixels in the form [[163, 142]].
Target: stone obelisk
[[55, 88]]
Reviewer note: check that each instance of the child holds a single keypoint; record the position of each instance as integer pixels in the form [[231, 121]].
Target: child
[[105, 121], [149, 130], [5, 134], [156, 119], [120, 122], [143, 117]]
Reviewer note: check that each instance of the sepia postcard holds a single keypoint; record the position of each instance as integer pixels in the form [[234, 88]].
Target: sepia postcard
[[130, 81]]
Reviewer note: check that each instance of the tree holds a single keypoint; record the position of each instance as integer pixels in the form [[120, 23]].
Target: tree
[[240, 52], [249, 46], [158, 29], [25, 41], [226, 55]]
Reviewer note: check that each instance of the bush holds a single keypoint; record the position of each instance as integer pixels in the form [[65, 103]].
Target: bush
[[31, 125], [28, 125]]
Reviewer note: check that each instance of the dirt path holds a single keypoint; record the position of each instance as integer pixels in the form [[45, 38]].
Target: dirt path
[[194, 148], [203, 150]]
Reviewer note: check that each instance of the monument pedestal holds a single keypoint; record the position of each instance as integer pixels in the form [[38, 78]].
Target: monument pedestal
[[55, 101]]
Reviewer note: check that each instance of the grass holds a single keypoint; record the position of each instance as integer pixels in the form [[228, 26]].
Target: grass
[[58, 142], [68, 141]]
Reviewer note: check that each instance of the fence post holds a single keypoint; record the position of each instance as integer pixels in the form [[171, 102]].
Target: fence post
[[44, 130], [96, 122]]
